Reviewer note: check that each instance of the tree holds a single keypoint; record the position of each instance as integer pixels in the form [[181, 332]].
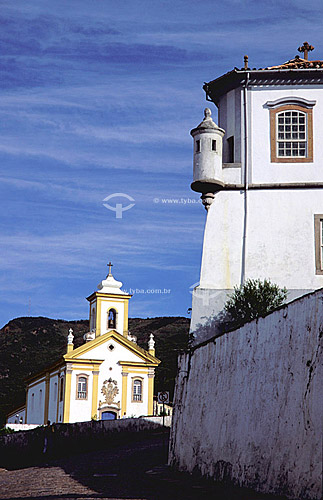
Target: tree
[[254, 299]]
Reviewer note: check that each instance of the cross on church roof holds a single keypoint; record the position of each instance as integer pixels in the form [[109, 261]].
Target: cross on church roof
[[306, 48], [109, 266]]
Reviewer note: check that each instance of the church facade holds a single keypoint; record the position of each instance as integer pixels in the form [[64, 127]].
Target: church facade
[[260, 173], [108, 377]]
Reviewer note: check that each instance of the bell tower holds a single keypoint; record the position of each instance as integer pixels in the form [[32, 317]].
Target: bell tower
[[109, 307]]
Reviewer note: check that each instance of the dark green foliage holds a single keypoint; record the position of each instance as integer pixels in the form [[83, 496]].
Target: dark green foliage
[[254, 299], [29, 345]]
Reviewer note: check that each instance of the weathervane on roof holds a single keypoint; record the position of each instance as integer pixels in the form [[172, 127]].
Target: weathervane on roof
[[306, 48]]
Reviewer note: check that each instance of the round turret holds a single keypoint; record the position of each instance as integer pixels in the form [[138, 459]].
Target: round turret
[[207, 166]]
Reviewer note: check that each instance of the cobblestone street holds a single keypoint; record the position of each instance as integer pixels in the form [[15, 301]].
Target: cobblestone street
[[135, 471]]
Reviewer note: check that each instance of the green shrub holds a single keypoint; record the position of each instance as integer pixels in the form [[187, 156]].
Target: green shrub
[[254, 299]]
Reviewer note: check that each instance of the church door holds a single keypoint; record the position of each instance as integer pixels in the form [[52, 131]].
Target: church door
[[108, 415]]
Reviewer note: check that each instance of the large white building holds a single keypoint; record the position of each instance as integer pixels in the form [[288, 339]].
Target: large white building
[[107, 377], [260, 173]]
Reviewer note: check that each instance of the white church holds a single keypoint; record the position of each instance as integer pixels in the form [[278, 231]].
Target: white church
[[106, 378], [260, 173]]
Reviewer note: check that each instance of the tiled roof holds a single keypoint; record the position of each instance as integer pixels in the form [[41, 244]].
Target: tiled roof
[[297, 63]]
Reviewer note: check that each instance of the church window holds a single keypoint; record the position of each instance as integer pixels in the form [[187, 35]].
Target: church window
[[82, 387], [198, 146], [137, 390], [92, 326], [213, 145], [291, 130], [112, 318], [32, 401], [318, 228], [61, 389]]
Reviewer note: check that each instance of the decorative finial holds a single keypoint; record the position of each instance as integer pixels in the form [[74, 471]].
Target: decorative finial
[[70, 336], [109, 266], [245, 62], [207, 113], [151, 342], [306, 48]]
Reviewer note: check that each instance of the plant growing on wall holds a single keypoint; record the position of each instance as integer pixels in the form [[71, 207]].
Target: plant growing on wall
[[254, 299]]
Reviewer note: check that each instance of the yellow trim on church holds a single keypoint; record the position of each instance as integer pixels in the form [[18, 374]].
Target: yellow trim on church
[[98, 318], [125, 318], [151, 360], [151, 394], [67, 395], [124, 393], [95, 390]]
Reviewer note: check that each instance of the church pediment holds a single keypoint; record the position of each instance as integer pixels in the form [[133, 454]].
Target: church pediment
[[86, 348]]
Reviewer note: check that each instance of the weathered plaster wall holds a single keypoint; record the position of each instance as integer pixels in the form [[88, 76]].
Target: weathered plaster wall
[[247, 404]]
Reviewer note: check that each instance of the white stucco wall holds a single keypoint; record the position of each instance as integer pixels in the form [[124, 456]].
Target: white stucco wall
[[279, 245], [247, 404], [262, 170], [36, 402], [53, 395]]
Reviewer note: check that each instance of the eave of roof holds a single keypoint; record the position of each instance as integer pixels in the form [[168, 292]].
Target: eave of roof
[[263, 76]]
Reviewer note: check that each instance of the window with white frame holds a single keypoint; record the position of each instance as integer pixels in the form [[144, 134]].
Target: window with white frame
[[291, 134], [318, 229], [81, 387], [137, 390]]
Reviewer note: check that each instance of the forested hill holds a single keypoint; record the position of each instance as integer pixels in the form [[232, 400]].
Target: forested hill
[[28, 345]]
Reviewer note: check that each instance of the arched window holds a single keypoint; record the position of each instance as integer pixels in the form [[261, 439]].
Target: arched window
[[112, 318], [82, 387], [291, 130], [61, 389], [137, 390]]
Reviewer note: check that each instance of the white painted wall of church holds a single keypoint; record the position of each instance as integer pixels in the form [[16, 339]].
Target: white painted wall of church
[[136, 409], [36, 403], [80, 409], [249, 406], [280, 245], [53, 395], [263, 171], [111, 368]]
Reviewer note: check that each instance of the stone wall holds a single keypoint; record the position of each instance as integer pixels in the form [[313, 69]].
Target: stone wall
[[27, 447], [247, 404]]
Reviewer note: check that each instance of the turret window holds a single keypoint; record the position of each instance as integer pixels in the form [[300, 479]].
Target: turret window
[[213, 145], [198, 146]]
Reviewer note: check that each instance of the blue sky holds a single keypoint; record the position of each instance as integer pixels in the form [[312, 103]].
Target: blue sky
[[98, 97]]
